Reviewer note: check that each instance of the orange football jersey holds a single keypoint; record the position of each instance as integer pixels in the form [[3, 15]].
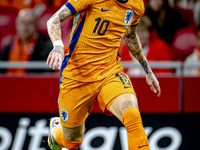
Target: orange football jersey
[[96, 34]]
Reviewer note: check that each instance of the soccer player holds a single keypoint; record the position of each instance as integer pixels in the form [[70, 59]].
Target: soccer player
[[91, 70]]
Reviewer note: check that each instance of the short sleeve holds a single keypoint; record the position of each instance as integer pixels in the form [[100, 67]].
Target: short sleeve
[[136, 20], [78, 5], [138, 13]]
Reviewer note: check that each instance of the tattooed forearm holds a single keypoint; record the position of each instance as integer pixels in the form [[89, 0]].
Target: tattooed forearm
[[147, 69], [132, 41], [64, 13], [53, 24], [145, 66], [134, 48], [138, 53], [133, 44], [130, 32]]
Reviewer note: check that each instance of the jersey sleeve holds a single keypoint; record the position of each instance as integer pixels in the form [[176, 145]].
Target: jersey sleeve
[[78, 5], [135, 23], [139, 11]]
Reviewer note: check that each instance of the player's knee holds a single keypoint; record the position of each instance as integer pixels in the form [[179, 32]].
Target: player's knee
[[129, 103], [131, 116]]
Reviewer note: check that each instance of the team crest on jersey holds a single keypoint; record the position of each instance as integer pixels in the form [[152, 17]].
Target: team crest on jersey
[[128, 16], [64, 115]]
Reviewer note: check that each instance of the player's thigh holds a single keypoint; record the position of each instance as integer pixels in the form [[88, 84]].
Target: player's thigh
[[74, 134], [121, 103], [75, 102], [118, 88]]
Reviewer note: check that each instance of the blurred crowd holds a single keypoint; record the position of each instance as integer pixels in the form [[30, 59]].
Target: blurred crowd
[[23, 32], [169, 31]]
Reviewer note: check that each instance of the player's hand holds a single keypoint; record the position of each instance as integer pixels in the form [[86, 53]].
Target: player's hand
[[154, 85], [55, 57]]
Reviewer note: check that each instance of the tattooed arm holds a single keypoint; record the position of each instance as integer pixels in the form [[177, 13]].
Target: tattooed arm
[[133, 44], [53, 25]]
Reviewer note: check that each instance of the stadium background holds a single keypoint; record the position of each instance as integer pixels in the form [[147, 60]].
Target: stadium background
[[28, 102]]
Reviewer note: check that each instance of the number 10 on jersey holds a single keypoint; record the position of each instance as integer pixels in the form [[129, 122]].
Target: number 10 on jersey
[[101, 26]]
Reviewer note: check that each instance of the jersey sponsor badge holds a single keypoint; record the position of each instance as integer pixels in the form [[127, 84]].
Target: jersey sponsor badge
[[128, 16], [64, 115]]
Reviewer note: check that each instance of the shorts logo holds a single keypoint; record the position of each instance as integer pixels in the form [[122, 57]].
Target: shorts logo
[[124, 79], [64, 115], [128, 16]]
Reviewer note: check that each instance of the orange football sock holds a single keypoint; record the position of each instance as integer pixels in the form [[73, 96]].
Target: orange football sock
[[62, 141], [137, 139]]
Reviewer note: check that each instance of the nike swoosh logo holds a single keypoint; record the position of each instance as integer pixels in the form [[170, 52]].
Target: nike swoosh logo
[[127, 87], [104, 10], [142, 146]]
